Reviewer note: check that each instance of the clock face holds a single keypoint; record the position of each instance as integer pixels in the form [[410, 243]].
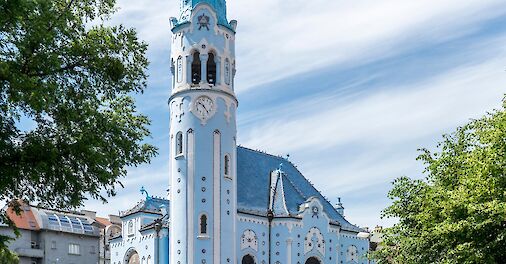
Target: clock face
[[204, 107]]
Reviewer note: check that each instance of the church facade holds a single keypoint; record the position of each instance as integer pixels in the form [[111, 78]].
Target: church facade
[[227, 204]]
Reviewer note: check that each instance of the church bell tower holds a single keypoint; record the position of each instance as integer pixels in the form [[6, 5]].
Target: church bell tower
[[203, 135]]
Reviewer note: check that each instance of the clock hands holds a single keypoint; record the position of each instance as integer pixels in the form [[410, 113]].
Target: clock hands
[[203, 106]]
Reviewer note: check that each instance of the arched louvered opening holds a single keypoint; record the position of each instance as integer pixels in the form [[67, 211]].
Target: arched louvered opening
[[196, 68], [211, 69], [227, 72], [227, 165], [203, 224], [179, 73], [179, 143]]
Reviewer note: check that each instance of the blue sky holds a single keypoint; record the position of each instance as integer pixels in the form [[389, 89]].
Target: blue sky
[[350, 89]]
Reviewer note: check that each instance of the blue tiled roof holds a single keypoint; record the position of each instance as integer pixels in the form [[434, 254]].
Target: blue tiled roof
[[254, 170], [219, 6], [150, 205]]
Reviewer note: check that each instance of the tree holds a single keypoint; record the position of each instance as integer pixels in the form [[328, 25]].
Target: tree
[[7, 257], [457, 214], [69, 127]]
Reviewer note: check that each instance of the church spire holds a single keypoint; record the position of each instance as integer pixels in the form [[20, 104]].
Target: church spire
[[219, 6]]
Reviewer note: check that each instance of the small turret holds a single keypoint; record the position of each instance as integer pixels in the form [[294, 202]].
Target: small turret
[[339, 206]]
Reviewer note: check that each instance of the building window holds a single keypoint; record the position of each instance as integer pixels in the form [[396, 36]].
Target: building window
[[312, 260], [32, 224], [227, 71], [211, 69], [74, 249], [352, 254], [248, 259], [203, 224], [179, 76], [196, 68], [179, 143], [53, 244], [227, 166], [92, 250], [130, 228]]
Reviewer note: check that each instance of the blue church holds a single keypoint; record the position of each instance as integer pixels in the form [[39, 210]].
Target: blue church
[[227, 203]]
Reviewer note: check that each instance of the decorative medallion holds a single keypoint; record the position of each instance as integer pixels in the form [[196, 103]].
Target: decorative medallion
[[249, 240], [315, 211], [314, 240], [203, 22]]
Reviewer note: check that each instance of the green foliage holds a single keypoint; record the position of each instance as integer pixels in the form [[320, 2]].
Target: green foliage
[[69, 127], [8, 257], [457, 214]]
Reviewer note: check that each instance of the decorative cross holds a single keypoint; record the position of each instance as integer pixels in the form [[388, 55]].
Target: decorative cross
[[143, 191]]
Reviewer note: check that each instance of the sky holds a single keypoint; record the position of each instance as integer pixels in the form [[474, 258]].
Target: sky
[[349, 89]]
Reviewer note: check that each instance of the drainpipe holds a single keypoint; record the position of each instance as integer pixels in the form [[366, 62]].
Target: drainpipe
[[158, 227], [104, 249], [270, 216]]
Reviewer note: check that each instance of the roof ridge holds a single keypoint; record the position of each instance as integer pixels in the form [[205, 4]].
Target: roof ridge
[[262, 152], [296, 188]]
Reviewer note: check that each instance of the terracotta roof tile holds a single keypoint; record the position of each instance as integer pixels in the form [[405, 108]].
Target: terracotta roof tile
[[103, 221], [25, 220]]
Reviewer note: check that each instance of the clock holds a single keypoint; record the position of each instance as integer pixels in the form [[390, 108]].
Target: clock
[[204, 107]]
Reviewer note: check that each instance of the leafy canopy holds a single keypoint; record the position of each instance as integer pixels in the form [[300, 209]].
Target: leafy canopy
[[7, 257], [457, 214], [69, 127]]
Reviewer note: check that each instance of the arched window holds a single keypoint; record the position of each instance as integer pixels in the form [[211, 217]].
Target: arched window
[[179, 143], [134, 259], [203, 224], [227, 72], [196, 71], [211, 69], [227, 166], [248, 259], [312, 260], [352, 254], [130, 227], [179, 77]]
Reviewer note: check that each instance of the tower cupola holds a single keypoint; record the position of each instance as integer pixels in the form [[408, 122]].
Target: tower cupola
[[219, 6]]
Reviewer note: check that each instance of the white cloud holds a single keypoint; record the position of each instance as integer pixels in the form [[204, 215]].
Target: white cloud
[[362, 143], [391, 115], [278, 38]]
